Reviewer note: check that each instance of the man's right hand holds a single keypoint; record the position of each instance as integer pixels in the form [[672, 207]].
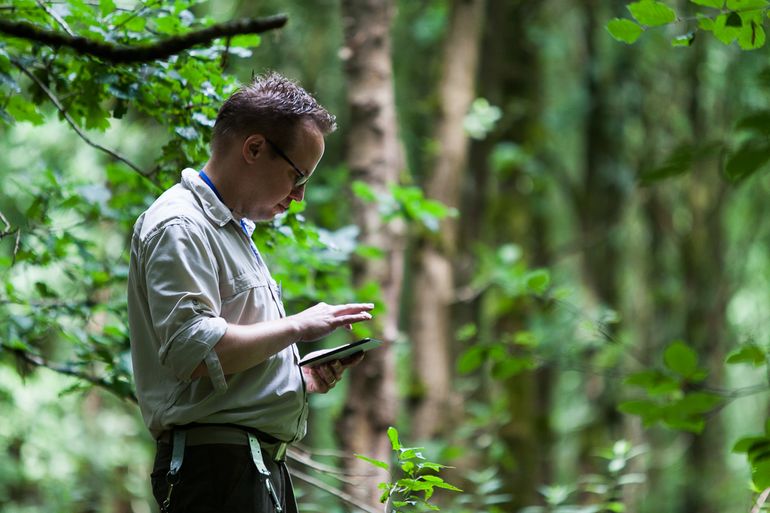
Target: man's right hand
[[320, 320]]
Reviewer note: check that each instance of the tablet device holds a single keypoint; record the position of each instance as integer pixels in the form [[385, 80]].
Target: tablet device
[[340, 352]]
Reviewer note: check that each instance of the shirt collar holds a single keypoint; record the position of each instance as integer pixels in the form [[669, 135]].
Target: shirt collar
[[212, 206]]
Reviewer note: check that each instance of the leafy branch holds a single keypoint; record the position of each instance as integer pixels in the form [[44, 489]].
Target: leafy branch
[[159, 50], [68, 370], [730, 20], [60, 107], [404, 492]]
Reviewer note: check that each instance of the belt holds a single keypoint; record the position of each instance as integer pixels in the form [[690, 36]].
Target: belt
[[203, 434]]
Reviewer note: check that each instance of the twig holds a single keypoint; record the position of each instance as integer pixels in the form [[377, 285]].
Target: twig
[[59, 19], [39, 361], [305, 459], [16, 247], [68, 118], [121, 54], [761, 501], [333, 491]]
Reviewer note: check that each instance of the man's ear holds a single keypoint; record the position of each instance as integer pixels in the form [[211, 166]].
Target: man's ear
[[252, 146]]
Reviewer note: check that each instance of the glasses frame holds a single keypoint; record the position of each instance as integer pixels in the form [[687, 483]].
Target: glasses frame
[[302, 177]]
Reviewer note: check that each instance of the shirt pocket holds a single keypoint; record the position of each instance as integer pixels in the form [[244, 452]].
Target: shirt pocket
[[244, 282]]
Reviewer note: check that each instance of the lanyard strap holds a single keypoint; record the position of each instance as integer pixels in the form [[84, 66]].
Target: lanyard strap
[[276, 295]]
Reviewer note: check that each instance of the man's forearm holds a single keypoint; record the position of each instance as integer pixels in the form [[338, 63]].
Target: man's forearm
[[245, 346]]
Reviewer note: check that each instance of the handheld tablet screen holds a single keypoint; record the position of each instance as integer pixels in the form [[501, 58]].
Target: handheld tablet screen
[[340, 352]]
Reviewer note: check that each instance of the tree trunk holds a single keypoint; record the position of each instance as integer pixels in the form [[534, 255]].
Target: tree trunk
[[374, 157], [600, 207], [706, 294], [434, 282], [512, 75]]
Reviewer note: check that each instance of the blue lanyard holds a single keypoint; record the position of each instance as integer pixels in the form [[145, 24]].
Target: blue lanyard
[[208, 181], [245, 229]]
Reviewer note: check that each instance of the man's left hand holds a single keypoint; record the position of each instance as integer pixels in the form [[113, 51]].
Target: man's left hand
[[323, 377]]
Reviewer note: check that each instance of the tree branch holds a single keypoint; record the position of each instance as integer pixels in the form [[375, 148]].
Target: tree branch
[[39, 361], [121, 54], [51, 96], [334, 491], [761, 501]]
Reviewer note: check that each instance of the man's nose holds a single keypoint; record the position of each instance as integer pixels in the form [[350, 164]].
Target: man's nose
[[298, 193]]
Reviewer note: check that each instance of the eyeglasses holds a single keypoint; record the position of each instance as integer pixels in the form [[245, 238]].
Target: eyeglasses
[[302, 178]]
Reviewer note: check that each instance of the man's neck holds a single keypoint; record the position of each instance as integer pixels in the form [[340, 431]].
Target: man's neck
[[227, 187]]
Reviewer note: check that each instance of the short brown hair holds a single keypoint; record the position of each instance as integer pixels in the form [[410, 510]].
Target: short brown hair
[[273, 106]]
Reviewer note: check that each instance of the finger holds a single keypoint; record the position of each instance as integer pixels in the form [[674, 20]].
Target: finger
[[353, 308], [353, 359], [337, 368], [326, 373], [351, 319]]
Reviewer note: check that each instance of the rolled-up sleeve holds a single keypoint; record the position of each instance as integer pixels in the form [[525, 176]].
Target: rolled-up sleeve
[[183, 296]]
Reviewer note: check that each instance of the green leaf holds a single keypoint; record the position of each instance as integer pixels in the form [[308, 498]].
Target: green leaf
[[691, 424], [745, 443], [747, 160], [757, 122], [716, 4], [538, 281], [106, 7], [648, 410], [705, 23], [652, 13], [684, 40], [697, 403], [376, 463], [750, 353], [23, 110], [681, 359], [760, 474], [246, 41], [624, 30], [746, 5], [723, 32], [654, 382], [471, 359], [512, 366], [393, 437], [364, 191], [752, 36]]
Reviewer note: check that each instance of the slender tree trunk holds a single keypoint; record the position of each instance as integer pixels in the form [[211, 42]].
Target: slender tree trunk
[[434, 282], [511, 74], [374, 156], [706, 294], [600, 207]]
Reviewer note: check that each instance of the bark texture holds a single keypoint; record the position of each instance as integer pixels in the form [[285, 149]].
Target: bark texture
[[434, 281], [374, 157]]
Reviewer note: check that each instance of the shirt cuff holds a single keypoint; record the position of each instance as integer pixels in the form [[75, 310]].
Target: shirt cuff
[[216, 374], [194, 344]]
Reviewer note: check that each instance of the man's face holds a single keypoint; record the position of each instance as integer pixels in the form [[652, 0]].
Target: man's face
[[280, 174]]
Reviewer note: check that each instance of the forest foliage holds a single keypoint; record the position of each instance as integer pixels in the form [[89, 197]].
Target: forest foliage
[[648, 347]]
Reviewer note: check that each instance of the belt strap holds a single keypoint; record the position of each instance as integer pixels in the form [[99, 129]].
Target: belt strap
[[177, 452], [177, 457], [259, 462]]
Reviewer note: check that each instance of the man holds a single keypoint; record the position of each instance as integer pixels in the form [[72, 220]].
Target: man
[[214, 355]]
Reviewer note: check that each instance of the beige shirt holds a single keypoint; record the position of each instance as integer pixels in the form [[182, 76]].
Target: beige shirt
[[194, 270]]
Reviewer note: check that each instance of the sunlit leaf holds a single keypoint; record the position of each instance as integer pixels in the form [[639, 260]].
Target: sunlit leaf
[[624, 30], [652, 13]]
